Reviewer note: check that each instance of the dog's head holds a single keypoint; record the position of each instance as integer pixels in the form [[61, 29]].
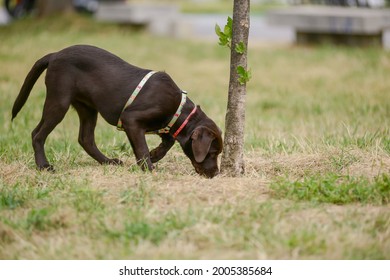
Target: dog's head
[[203, 148]]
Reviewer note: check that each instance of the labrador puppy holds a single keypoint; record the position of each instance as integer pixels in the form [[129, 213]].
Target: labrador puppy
[[136, 100]]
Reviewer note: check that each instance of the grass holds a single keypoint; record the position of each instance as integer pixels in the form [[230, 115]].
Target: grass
[[336, 189], [317, 158]]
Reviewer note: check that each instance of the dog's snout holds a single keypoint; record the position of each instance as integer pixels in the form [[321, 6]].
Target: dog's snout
[[215, 173], [208, 173]]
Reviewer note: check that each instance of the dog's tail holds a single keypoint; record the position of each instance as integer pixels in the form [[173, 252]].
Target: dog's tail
[[29, 82]]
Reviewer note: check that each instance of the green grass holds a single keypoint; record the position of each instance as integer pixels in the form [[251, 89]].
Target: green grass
[[317, 156], [335, 189]]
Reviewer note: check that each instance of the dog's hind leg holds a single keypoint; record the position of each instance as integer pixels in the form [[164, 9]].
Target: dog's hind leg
[[88, 117], [53, 114]]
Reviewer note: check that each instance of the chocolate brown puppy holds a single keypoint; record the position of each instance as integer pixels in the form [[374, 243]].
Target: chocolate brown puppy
[[136, 100]]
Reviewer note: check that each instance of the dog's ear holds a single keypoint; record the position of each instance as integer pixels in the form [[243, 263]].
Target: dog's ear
[[201, 142]]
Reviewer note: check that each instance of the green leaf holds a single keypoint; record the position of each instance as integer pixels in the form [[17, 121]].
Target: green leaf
[[230, 23], [240, 48], [227, 31], [225, 36], [229, 28], [223, 41], [218, 30], [245, 75], [241, 70]]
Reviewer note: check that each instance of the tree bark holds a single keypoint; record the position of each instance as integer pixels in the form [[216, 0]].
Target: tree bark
[[232, 162]]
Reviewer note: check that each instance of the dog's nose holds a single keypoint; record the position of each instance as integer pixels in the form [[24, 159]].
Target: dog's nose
[[211, 174]]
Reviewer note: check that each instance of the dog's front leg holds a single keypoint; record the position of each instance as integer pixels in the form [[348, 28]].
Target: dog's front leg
[[137, 140], [159, 152]]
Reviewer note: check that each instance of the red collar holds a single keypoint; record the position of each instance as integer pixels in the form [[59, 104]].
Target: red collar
[[184, 123]]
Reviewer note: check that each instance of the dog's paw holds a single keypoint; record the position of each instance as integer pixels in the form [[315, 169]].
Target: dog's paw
[[47, 167], [115, 161], [153, 159], [155, 155]]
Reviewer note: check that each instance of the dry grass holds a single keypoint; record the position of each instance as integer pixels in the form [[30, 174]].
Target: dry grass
[[91, 209], [298, 165]]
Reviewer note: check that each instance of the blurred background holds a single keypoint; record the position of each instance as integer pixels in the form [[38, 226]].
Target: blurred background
[[272, 21]]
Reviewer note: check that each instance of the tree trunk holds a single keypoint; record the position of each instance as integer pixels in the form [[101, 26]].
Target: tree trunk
[[232, 158], [50, 7]]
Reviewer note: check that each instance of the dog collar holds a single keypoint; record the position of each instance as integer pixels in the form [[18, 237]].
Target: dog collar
[[134, 95], [175, 116], [184, 123]]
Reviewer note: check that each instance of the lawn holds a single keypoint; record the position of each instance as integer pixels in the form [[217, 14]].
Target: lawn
[[317, 182]]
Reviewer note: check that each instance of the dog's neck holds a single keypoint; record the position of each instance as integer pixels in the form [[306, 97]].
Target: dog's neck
[[190, 119], [185, 122]]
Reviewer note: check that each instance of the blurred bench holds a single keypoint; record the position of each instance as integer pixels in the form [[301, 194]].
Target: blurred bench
[[157, 18], [340, 25]]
